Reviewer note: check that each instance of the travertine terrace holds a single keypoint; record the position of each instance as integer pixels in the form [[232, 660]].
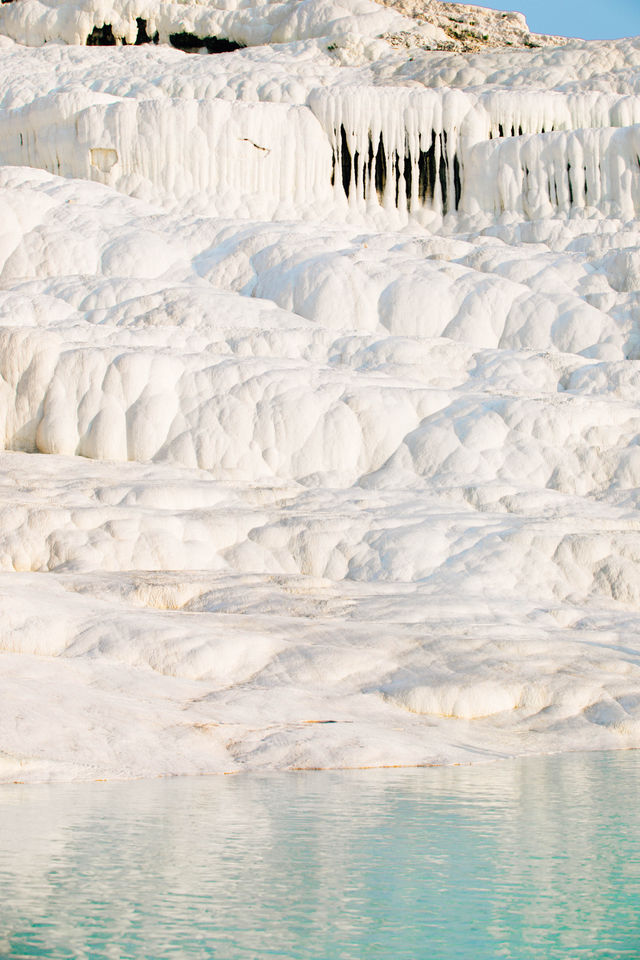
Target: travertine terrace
[[318, 387]]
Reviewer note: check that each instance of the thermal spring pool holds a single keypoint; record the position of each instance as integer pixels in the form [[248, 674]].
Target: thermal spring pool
[[535, 859]]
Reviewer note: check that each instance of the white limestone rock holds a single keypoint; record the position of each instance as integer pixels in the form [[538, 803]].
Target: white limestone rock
[[319, 376]]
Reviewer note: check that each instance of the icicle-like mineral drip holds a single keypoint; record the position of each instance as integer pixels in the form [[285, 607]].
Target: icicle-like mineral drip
[[513, 113], [235, 155], [542, 175], [394, 147], [410, 148]]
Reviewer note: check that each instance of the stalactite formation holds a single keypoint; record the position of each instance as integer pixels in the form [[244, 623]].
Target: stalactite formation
[[426, 177], [431, 151]]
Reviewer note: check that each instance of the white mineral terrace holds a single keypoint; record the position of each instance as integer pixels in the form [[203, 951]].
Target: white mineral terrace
[[319, 388]]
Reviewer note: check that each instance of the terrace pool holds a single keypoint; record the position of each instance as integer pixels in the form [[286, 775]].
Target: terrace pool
[[532, 859]]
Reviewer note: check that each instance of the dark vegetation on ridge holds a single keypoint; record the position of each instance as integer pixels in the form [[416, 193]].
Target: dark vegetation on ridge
[[188, 42]]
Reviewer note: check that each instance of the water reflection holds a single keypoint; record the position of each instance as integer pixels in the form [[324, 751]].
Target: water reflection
[[531, 859]]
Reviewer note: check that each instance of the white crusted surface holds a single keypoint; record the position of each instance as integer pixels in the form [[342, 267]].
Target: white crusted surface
[[410, 23], [35, 22], [342, 461]]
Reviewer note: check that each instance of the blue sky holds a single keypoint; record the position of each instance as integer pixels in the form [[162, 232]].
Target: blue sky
[[591, 19]]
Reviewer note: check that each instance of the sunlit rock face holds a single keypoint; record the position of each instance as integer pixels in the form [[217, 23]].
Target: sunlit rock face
[[319, 365]]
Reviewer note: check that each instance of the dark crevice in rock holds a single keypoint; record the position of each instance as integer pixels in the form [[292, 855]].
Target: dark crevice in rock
[[368, 167], [345, 157], [101, 37], [381, 169], [427, 169], [457, 181], [142, 35], [189, 43], [408, 179], [444, 172], [511, 132]]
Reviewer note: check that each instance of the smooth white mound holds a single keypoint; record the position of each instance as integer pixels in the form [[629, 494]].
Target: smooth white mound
[[318, 399]]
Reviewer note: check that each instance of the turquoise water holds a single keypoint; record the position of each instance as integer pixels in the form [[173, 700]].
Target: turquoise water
[[531, 860]]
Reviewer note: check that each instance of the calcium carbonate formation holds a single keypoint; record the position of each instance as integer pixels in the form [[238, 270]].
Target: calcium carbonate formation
[[319, 367]]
